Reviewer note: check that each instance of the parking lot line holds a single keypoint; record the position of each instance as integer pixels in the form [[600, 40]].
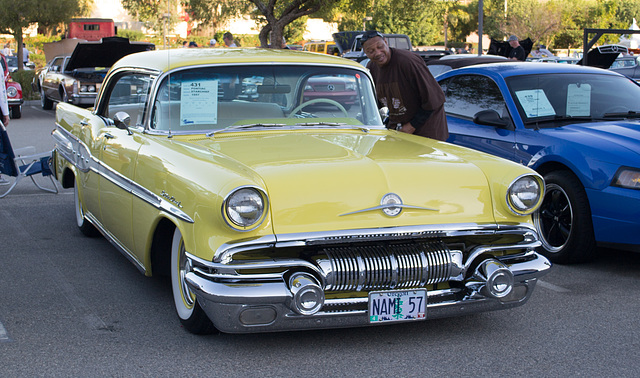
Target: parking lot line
[[550, 286], [4, 337]]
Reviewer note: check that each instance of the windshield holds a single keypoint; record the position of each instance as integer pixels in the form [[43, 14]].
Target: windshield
[[550, 97], [214, 98]]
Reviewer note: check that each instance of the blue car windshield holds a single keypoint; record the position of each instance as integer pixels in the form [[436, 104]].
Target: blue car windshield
[[548, 100]]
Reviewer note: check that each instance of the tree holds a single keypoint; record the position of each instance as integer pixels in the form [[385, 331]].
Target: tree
[[276, 14], [216, 13], [155, 14], [16, 16]]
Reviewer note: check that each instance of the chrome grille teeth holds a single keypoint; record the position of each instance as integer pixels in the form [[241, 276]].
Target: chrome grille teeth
[[381, 268]]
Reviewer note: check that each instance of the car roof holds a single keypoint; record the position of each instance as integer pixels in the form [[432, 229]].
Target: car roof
[[527, 68], [166, 60]]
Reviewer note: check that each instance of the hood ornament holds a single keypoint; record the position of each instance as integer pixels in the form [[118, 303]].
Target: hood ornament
[[391, 205]]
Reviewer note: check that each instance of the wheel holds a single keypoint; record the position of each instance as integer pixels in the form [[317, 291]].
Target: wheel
[[83, 224], [564, 220], [191, 315], [316, 101], [15, 112], [44, 101]]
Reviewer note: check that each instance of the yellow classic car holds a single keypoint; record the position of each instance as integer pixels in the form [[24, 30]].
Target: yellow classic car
[[269, 212]]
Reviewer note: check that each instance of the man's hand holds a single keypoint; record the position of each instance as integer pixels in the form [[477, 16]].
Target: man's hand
[[5, 120], [407, 128]]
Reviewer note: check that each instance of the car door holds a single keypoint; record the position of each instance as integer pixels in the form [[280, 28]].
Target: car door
[[466, 96], [51, 80], [126, 92]]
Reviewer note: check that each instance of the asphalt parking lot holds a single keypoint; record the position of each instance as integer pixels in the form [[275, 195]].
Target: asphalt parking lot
[[73, 306]]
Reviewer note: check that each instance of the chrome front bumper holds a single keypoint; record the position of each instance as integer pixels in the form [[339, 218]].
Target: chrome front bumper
[[264, 306]]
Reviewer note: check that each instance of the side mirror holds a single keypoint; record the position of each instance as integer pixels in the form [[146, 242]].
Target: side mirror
[[490, 118], [122, 120], [384, 114]]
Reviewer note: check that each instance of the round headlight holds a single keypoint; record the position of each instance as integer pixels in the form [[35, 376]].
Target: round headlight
[[245, 207], [12, 92], [524, 195]]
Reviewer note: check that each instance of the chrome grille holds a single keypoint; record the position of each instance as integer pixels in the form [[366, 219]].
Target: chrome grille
[[356, 268]]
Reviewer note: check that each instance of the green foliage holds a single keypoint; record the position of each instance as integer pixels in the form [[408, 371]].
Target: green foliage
[[214, 14], [25, 77], [132, 35], [155, 14]]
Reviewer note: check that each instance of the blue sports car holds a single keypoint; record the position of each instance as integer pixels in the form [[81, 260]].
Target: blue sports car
[[577, 126]]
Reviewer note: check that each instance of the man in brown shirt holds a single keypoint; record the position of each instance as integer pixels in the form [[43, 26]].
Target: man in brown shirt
[[405, 86]]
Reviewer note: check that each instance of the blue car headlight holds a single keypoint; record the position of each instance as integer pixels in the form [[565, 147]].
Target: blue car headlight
[[525, 194], [627, 178], [245, 208]]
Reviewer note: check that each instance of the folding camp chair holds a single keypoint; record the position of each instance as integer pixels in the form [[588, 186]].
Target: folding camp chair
[[22, 163]]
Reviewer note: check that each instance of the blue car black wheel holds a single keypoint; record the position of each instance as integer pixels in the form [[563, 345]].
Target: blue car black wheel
[[564, 220]]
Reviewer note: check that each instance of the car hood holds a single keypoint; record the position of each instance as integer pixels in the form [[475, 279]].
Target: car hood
[[328, 181], [614, 137], [104, 53]]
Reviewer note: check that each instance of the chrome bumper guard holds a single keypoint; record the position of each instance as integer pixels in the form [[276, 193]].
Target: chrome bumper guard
[[270, 302]]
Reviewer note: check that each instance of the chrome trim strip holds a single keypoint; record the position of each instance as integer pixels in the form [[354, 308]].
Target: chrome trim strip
[[225, 252], [130, 256], [77, 153], [388, 206]]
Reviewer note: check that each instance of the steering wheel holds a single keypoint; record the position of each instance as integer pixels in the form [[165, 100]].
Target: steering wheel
[[315, 101]]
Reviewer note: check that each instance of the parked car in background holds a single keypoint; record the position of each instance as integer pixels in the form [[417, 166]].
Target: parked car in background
[[339, 88], [577, 126], [77, 78], [627, 65], [451, 62], [14, 91], [323, 47], [277, 214], [351, 46], [12, 64]]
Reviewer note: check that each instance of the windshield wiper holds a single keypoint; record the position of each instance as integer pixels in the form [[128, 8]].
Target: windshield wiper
[[320, 123], [629, 114], [247, 126], [561, 119], [336, 124]]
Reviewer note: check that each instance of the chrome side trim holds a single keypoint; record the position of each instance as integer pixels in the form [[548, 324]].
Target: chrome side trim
[[78, 154], [130, 256]]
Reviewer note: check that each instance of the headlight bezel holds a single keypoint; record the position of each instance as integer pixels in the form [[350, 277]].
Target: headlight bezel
[[634, 172], [232, 220], [12, 92], [519, 207]]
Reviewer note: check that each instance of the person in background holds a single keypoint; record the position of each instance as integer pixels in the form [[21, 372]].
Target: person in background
[[406, 87], [517, 51], [7, 49], [193, 44], [228, 40], [25, 54], [4, 108], [213, 42], [185, 44]]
